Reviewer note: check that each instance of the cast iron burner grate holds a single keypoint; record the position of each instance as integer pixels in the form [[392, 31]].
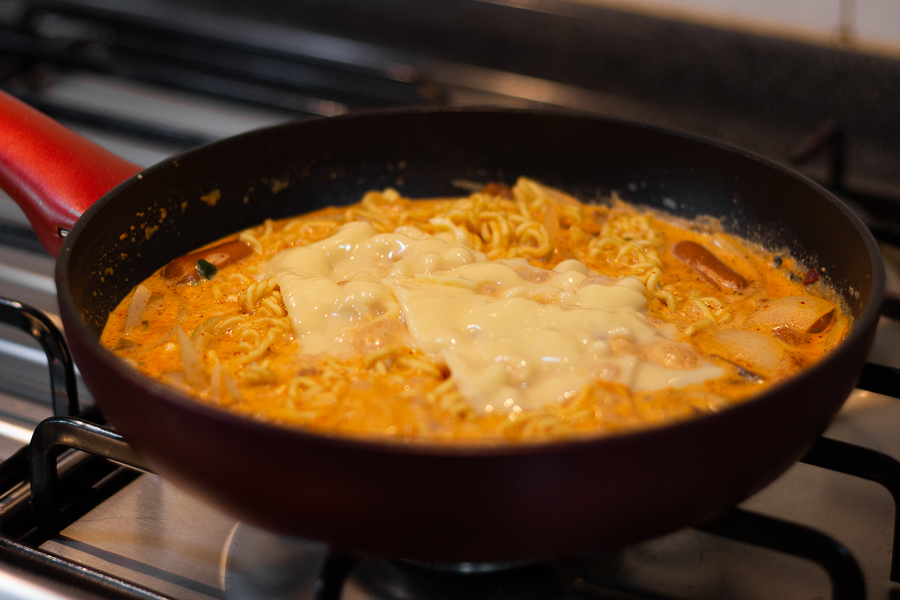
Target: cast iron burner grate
[[64, 487]]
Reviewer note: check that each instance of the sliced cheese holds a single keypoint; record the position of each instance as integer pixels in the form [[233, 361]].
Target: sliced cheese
[[514, 336]]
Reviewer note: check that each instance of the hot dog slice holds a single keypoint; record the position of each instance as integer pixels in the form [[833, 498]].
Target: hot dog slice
[[709, 266], [185, 269]]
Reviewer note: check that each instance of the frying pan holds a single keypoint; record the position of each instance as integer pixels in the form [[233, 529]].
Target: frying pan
[[418, 500]]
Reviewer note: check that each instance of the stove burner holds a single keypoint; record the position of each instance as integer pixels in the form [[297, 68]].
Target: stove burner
[[468, 568], [405, 580], [264, 566]]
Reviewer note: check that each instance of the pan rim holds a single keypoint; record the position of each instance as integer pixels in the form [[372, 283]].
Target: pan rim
[[862, 325]]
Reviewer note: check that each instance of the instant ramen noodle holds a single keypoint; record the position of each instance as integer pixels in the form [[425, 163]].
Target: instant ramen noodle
[[511, 314]]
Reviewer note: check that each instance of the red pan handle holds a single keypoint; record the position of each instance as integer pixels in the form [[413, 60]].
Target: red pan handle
[[53, 173]]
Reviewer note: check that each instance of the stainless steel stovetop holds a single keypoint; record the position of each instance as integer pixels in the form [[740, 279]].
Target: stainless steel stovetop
[[170, 545]]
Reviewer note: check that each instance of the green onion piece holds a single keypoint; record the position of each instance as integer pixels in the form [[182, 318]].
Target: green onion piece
[[206, 268]]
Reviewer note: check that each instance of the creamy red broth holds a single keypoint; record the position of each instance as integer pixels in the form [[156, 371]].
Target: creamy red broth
[[511, 314]]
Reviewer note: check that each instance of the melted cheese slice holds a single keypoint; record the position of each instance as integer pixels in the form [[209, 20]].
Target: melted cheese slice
[[514, 336]]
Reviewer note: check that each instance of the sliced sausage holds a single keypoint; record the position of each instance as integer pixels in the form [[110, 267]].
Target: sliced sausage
[[184, 269], [709, 266], [498, 189]]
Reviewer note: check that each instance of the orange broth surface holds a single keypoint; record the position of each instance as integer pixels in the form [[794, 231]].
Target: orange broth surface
[[226, 338]]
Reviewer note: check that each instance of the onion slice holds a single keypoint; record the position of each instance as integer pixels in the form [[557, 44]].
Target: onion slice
[[802, 313], [752, 350], [194, 371], [136, 308]]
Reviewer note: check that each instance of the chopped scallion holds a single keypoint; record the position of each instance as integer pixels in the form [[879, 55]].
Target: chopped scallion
[[206, 268]]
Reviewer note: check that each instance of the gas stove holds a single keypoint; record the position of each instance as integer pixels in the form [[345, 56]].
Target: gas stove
[[150, 79], [95, 521]]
